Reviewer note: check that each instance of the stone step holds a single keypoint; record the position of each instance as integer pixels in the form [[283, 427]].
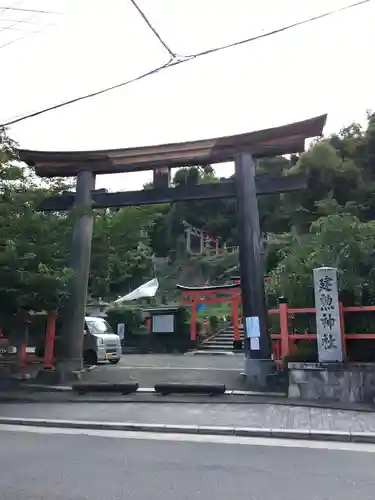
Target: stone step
[[222, 337], [220, 349], [218, 346], [229, 334], [226, 336]]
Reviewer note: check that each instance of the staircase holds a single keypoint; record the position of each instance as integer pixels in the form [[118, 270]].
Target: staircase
[[223, 341]]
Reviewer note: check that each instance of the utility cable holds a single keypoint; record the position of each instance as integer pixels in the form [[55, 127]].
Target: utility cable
[[155, 32], [18, 9], [175, 62], [93, 94], [280, 30]]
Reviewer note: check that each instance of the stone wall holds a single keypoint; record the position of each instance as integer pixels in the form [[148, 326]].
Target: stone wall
[[345, 382]]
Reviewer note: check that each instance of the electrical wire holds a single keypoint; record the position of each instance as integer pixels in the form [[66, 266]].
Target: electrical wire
[[19, 9], [15, 23], [280, 30], [175, 62], [155, 32], [86, 96]]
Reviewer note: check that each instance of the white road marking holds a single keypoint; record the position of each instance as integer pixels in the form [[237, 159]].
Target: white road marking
[[194, 438]]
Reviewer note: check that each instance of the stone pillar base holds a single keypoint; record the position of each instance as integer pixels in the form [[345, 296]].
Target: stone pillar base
[[69, 371], [256, 372]]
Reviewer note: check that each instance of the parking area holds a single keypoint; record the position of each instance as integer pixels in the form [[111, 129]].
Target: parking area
[[149, 369]]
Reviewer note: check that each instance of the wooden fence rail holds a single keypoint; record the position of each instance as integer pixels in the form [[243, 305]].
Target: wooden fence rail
[[284, 341]]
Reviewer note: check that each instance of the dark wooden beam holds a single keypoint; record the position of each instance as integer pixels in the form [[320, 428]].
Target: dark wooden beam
[[265, 185], [262, 143]]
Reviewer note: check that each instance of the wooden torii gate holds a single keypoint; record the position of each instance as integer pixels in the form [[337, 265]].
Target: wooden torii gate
[[244, 149]]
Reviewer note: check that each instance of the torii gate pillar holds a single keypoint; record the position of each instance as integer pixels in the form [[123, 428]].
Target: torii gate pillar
[[257, 345], [80, 253]]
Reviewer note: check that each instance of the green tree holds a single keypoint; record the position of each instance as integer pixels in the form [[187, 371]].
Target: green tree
[[339, 240], [33, 245], [121, 254]]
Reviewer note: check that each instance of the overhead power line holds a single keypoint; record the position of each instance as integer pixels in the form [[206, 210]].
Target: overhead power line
[[146, 20], [175, 62], [87, 96], [27, 20], [284, 28], [15, 23], [18, 9]]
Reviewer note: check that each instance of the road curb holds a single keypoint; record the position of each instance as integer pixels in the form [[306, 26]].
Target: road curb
[[64, 394], [151, 390], [312, 434]]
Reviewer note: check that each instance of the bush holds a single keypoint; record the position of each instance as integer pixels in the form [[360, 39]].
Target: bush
[[182, 321], [131, 316], [213, 321], [305, 351]]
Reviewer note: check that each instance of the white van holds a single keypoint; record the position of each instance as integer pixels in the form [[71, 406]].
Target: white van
[[100, 343]]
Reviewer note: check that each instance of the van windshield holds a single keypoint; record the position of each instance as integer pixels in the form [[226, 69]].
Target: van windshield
[[98, 326]]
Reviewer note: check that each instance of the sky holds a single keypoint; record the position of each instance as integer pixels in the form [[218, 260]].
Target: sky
[[85, 45]]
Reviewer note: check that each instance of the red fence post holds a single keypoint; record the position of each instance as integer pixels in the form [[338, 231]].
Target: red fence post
[[22, 356], [284, 333], [193, 323], [342, 329], [1, 332], [236, 331], [50, 339]]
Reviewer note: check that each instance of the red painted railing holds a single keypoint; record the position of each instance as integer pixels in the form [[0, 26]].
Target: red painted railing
[[284, 341], [25, 358]]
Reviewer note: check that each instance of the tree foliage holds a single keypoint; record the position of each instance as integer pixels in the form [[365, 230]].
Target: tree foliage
[[341, 241], [33, 245]]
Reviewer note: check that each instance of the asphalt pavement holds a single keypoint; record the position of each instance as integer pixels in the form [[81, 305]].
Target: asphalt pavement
[[40, 464], [149, 369]]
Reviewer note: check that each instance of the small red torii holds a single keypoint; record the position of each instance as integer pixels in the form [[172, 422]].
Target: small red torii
[[192, 296]]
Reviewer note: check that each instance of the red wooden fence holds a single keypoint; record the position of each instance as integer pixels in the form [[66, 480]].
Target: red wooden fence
[[24, 357], [283, 342]]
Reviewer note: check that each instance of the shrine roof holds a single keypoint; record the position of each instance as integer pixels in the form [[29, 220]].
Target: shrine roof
[[269, 142]]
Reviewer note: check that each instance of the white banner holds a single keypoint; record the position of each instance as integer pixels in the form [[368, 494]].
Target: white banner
[[148, 289]]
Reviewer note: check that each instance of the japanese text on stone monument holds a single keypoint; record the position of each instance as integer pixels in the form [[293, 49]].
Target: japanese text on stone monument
[[327, 315]]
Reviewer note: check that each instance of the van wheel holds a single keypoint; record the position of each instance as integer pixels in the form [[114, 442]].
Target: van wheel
[[114, 361], [90, 358]]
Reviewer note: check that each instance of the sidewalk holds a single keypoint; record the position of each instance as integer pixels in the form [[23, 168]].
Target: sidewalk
[[255, 419]]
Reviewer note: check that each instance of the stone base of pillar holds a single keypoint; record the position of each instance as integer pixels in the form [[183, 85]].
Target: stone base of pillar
[[256, 372], [69, 371]]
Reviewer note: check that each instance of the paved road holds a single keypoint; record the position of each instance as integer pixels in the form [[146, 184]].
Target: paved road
[[149, 369], [40, 465], [237, 415]]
